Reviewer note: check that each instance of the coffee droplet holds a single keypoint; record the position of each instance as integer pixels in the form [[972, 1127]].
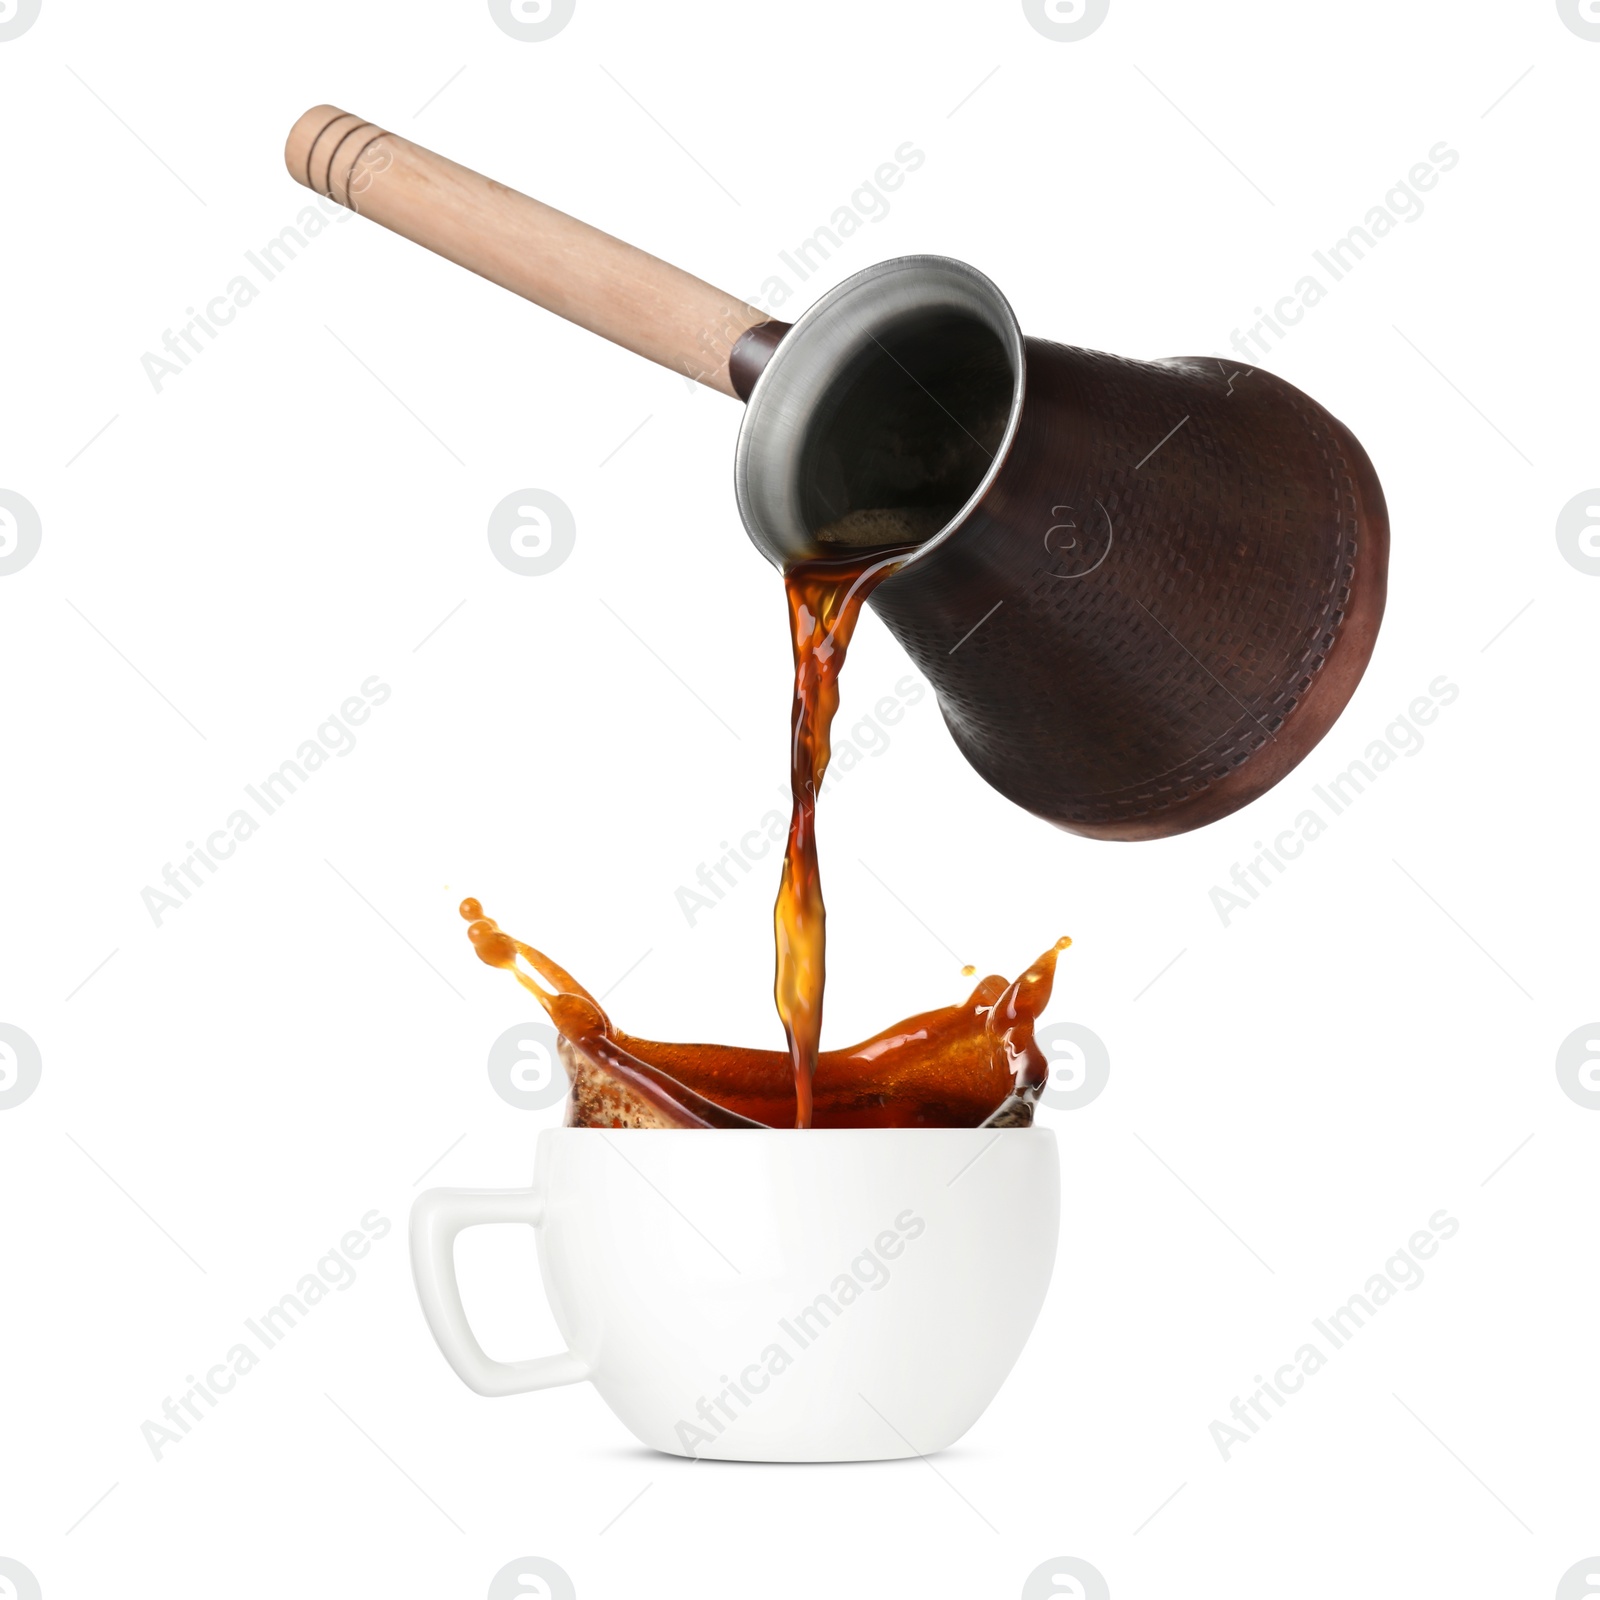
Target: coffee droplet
[[494, 947]]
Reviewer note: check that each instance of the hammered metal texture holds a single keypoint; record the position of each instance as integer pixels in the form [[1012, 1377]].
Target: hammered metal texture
[[1163, 601]]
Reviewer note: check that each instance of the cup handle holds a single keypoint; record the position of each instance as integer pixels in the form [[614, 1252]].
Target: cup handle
[[436, 1218]]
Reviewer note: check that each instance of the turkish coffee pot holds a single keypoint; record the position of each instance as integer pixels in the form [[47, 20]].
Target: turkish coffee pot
[[1141, 590]]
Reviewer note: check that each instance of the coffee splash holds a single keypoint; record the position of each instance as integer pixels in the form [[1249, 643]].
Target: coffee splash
[[974, 1064], [969, 1065]]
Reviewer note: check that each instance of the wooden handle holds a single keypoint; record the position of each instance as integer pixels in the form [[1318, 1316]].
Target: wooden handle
[[578, 272]]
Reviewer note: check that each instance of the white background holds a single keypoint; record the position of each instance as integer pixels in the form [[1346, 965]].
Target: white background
[[229, 559]]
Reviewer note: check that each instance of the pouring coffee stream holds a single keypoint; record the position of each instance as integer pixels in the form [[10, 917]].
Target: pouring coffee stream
[[825, 599], [1141, 590], [974, 1064]]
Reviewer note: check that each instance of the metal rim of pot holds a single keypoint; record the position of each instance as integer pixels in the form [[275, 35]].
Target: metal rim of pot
[[813, 359]]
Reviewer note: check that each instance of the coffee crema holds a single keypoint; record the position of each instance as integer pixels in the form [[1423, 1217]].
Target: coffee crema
[[968, 1065]]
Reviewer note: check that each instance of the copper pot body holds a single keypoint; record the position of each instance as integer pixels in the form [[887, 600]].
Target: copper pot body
[[1161, 594], [1171, 635]]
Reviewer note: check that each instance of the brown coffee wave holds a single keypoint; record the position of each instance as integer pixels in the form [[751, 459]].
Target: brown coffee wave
[[967, 1065]]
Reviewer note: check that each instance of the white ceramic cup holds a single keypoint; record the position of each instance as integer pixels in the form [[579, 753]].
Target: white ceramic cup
[[771, 1294]]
